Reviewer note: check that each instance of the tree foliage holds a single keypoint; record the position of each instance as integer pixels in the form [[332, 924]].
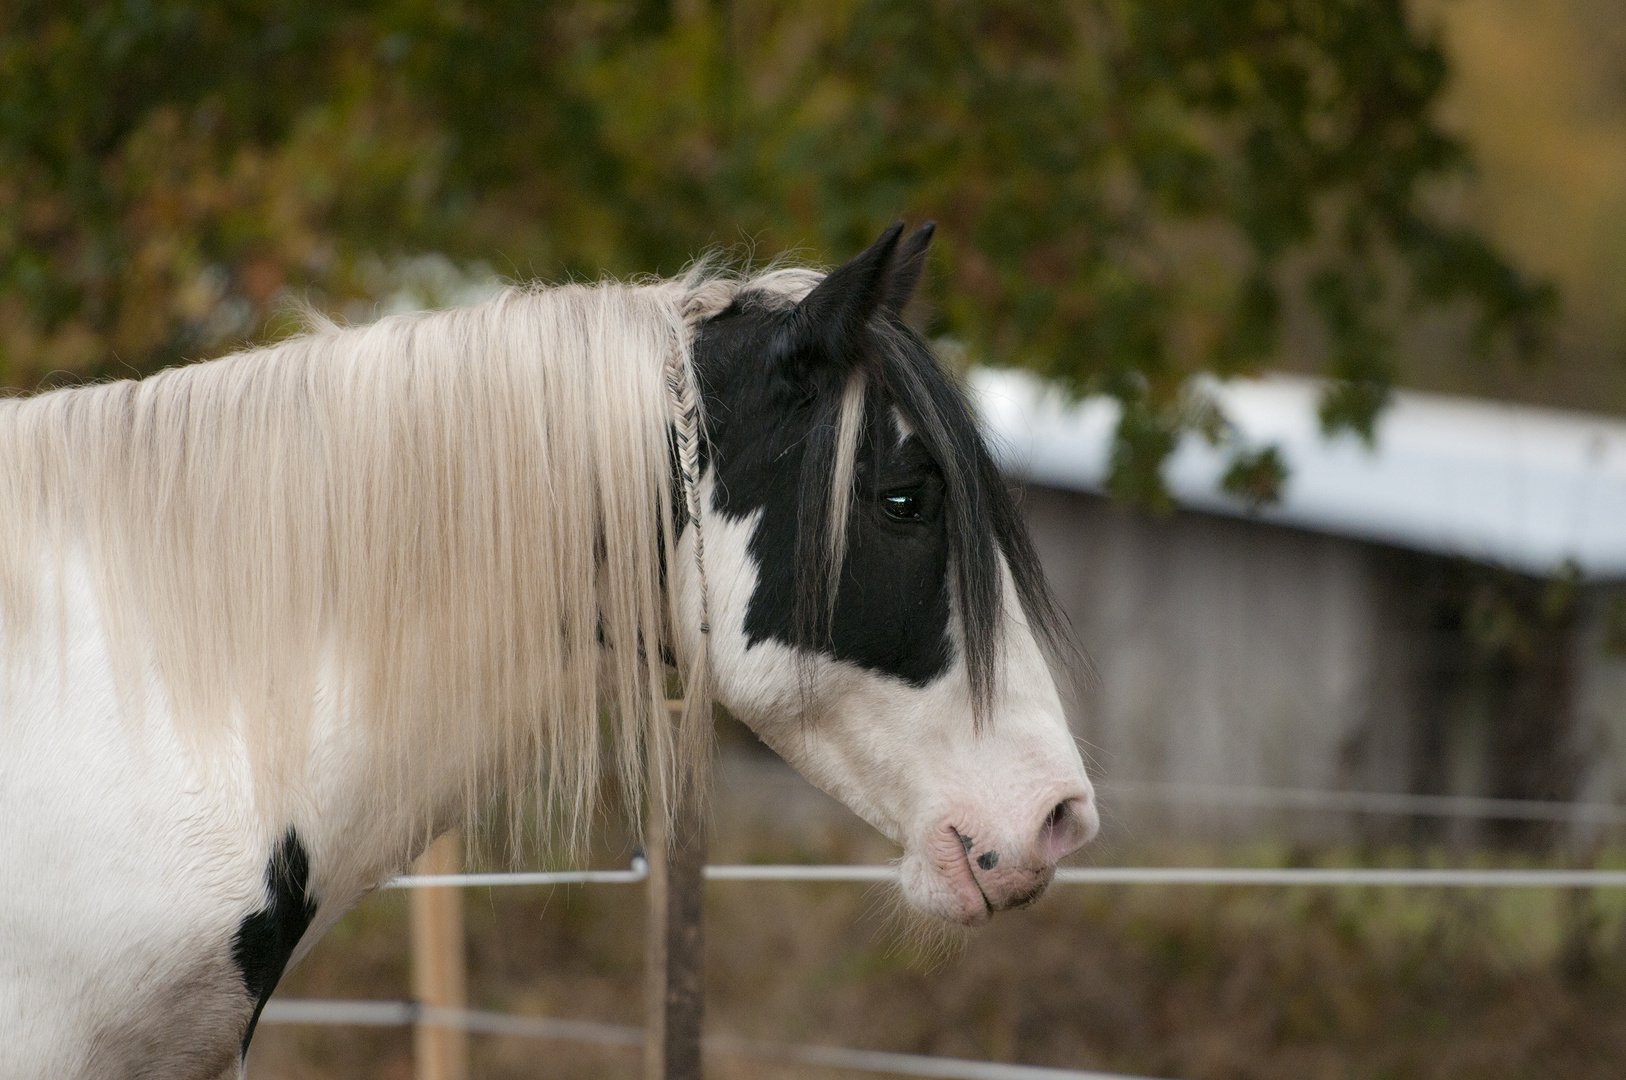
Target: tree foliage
[[1128, 191]]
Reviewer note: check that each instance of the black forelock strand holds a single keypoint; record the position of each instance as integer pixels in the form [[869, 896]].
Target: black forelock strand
[[983, 519]]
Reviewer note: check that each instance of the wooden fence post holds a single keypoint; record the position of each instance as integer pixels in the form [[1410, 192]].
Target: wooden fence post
[[674, 952], [438, 973]]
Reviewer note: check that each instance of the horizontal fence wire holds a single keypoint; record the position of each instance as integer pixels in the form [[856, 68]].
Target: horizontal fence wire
[[1365, 802], [479, 1021], [1261, 798], [483, 1022], [1348, 877], [638, 872]]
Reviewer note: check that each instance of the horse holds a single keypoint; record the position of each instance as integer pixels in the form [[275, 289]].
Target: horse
[[272, 622]]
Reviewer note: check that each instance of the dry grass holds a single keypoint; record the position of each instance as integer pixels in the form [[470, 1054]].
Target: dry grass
[[1184, 983], [1265, 984]]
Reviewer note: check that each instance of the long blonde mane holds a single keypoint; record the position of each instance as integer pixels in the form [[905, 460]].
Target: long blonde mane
[[452, 522]]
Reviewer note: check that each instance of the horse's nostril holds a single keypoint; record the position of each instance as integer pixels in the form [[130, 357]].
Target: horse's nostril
[[1065, 828]]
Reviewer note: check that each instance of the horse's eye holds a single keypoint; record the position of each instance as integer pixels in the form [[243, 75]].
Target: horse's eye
[[903, 505]]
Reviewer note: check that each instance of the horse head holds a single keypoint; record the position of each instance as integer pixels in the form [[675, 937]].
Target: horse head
[[876, 611]]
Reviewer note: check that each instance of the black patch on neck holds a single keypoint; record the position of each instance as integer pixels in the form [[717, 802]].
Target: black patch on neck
[[266, 938]]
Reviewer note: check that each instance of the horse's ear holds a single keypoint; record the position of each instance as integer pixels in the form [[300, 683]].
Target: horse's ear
[[907, 263], [839, 306], [828, 324]]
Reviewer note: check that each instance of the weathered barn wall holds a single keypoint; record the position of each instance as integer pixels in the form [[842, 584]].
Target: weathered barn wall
[[1600, 696], [1232, 652], [1226, 651]]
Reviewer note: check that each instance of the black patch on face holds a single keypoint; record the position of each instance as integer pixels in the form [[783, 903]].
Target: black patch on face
[[266, 939], [930, 518], [892, 610]]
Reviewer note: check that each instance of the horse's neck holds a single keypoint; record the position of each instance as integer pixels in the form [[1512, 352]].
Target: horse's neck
[[362, 819]]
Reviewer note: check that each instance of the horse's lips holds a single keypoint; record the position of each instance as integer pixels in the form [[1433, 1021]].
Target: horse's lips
[[961, 897], [965, 861]]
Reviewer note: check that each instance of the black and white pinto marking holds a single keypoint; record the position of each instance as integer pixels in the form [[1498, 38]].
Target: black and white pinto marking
[[866, 599]]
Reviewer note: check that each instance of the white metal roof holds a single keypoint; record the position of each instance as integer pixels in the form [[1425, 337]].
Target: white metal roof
[[1524, 487]]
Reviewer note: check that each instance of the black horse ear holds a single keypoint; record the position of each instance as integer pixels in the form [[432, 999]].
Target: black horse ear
[[839, 306], [907, 263], [828, 324]]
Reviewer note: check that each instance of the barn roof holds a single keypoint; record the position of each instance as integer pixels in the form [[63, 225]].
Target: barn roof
[[1519, 486]]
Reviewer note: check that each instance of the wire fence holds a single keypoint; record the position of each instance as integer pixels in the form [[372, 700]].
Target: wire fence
[[484, 1022], [1323, 877], [407, 1013], [1264, 798]]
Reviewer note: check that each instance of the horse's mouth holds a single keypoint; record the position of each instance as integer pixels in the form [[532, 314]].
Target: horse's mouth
[[1008, 903], [965, 861], [1024, 899]]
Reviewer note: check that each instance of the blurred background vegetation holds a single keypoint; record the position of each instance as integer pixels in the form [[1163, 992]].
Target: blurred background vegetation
[[1129, 191]]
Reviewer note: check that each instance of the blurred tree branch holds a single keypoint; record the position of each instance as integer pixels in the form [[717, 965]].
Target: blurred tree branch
[[1129, 191]]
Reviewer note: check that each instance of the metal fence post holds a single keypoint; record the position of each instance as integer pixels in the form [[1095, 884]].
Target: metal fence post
[[674, 953], [438, 972]]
